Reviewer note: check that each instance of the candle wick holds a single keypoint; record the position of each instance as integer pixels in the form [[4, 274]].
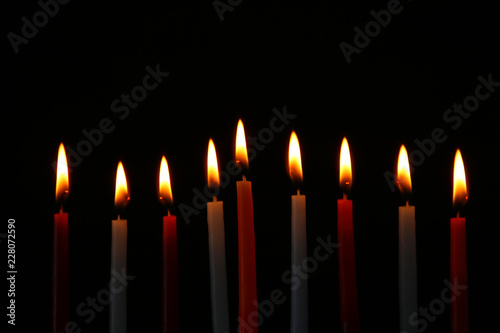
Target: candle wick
[[168, 212], [244, 178], [345, 196], [407, 203], [298, 191], [61, 209], [118, 216], [458, 214]]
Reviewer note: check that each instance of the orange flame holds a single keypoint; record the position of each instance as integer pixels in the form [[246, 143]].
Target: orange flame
[[165, 187], [345, 167], [121, 191], [404, 179], [62, 181], [241, 146], [294, 159], [212, 168], [459, 181]]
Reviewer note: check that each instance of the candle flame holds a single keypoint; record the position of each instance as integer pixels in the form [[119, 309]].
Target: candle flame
[[459, 181], [212, 168], [345, 166], [241, 146], [121, 191], [404, 179], [62, 181], [165, 187], [294, 159]]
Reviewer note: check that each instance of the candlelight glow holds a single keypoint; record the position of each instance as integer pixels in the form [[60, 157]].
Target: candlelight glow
[[212, 168], [459, 182], [62, 182], [121, 191], [345, 166], [404, 179], [241, 146], [294, 159], [165, 188]]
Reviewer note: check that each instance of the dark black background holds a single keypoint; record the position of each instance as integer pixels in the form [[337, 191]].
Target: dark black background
[[262, 56]]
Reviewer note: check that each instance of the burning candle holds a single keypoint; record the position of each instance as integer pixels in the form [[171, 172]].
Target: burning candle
[[407, 248], [217, 248], [118, 300], [60, 272], [246, 238], [170, 275], [458, 250], [349, 315], [298, 298]]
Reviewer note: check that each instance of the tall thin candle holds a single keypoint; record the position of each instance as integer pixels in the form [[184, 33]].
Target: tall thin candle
[[349, 315], [407, 248], [246, 238], [170, 275], [118, 304], [60, 269], [217, 248], [458, 250], [298, 297]]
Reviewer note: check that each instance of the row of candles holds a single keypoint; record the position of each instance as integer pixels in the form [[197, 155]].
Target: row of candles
[[246, 247]]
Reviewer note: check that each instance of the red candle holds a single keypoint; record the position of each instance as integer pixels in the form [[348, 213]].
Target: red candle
[[170, 278], [349, 316], [248, 311], [458, 251], [60, 272]]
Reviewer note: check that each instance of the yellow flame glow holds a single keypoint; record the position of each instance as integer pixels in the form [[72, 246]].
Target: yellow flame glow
[[241, 146], [62, 181], [294, 159], [121, 190], [212, 168], [404, 179], [165, 188], [459, 181], [345, 166]]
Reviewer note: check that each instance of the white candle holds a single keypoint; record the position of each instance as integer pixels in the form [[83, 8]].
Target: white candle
[[118, 304], [408, 303], [217, 250], [118, 310], [298, 297]]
